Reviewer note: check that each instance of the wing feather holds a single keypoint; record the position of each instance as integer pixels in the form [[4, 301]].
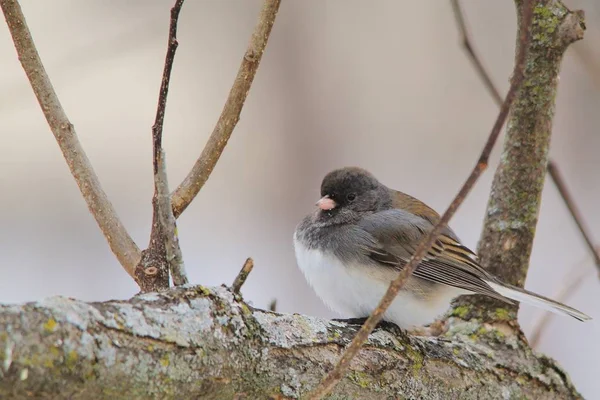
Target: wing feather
[[396, 233]]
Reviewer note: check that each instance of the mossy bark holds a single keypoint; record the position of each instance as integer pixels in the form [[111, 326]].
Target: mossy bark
[[194, 342], [514, 203]]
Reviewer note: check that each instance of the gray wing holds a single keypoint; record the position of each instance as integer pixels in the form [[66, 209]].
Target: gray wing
[[395, 234]]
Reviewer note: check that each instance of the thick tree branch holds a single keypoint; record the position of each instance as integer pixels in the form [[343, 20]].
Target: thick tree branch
[[191, 185], [121, 244], [467, 43], [163, 254], [514, 202], [193, 342], [518, 77]]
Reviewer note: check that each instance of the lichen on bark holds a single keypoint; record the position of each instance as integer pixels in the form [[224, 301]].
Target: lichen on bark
[[514, 202], [195, 342]]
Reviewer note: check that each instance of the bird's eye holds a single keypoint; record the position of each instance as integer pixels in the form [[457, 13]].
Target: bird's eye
[[351, 196]]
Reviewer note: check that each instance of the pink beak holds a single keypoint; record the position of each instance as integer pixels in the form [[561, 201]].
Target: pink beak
[[326, 203]]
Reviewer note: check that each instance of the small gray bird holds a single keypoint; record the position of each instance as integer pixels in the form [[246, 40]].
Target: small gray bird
[[364, 233]]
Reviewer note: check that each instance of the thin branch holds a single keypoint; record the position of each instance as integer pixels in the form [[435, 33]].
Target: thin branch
[[484, 75], [166, 220], [191, 185], [242, 276], [168, 225], [121, 244], [467, 44], [518, 76], [576, 280], [568, 199]]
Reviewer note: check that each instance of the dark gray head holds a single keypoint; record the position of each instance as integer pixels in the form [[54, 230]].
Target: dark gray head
[[350, 192]]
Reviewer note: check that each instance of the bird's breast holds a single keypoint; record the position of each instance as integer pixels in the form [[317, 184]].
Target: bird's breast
[[354, 290]]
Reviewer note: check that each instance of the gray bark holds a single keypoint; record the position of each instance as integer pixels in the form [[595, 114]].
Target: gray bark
[[194, 342], [514, 203]]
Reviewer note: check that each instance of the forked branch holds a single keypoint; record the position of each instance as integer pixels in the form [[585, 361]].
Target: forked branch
[[197, 177], [163, 254]]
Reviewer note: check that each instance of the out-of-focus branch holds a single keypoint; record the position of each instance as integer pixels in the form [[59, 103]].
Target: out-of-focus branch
[[273, 305], [518, 77], [574, 282], [197, 177], [121, 244], [514, 203], [568, 199], [467, 43], [163, 253], [475, 59]]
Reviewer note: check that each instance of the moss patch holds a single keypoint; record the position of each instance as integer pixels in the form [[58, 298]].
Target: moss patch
[[460, 311], [50, 325], [360, 378], [502, 314]]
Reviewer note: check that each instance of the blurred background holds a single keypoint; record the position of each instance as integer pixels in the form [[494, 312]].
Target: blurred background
[[382, 85]]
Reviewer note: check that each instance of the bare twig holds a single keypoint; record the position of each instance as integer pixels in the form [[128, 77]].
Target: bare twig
[[273, 305], [576, 278], [168, 225], [467, 43], [163, 204], [121, 244], [230, 115], [243, 275], [518, 76], [568, 199], [163, 253]]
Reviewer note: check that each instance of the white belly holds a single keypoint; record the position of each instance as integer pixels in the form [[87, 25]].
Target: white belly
[[354, 293]]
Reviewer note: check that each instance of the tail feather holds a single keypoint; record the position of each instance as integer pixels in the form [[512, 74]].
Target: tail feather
[[524, 296]]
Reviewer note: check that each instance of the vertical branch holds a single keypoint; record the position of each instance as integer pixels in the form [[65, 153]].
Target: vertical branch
[[197, 177], [121, 244], [467, 43], [513, 206], [338, 372], [163, 253]]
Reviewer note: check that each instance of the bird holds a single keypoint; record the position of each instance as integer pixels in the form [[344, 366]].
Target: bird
[[362, 234]]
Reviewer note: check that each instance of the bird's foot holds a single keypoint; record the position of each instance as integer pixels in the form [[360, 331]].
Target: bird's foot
[[435, 329]]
